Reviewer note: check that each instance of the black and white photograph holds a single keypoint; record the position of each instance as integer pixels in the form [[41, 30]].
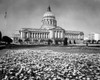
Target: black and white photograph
[[49, 39]]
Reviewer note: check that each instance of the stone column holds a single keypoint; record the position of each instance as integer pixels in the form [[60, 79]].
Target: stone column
[[36, 35], [53, 22], [61, 34], [24, 35], [32, 36], [55, 34], [40, 35], [46, 35], [21, 33], [27, 35]]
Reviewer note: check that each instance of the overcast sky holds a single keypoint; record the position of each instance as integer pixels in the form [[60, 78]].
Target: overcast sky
[[78, 15]]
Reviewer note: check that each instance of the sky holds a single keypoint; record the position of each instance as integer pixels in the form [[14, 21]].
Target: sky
[[76, 15]]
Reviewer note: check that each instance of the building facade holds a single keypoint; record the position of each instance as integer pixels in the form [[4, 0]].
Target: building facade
[[94, 36], [50, 30]]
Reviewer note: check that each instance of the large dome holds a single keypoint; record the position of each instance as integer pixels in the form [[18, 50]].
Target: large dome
[[47, 14], [48, 20]]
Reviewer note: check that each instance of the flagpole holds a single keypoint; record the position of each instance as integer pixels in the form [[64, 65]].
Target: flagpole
[[5, 18]]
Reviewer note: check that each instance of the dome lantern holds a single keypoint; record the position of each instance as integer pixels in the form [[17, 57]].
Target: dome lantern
[[49, 9]]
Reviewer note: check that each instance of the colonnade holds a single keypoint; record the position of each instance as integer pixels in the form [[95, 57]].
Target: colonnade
[[58, 34], [34, 35], [74, 36], [49, 22]]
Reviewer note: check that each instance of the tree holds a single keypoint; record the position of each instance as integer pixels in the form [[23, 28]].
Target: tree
[[0, 35], [49, 41], [56, 42], [20, 41], [7, 39]]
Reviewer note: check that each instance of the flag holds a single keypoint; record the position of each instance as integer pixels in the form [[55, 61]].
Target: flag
[[5, 16]]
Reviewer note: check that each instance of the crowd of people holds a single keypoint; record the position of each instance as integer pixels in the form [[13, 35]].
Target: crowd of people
[[49, 65]]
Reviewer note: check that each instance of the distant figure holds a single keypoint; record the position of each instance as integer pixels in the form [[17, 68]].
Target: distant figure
[[7, 39]]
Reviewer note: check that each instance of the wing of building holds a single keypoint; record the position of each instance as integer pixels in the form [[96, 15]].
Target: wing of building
[[50, 30]]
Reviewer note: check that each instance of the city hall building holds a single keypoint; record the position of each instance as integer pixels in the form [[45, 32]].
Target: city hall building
[[50, 30]]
